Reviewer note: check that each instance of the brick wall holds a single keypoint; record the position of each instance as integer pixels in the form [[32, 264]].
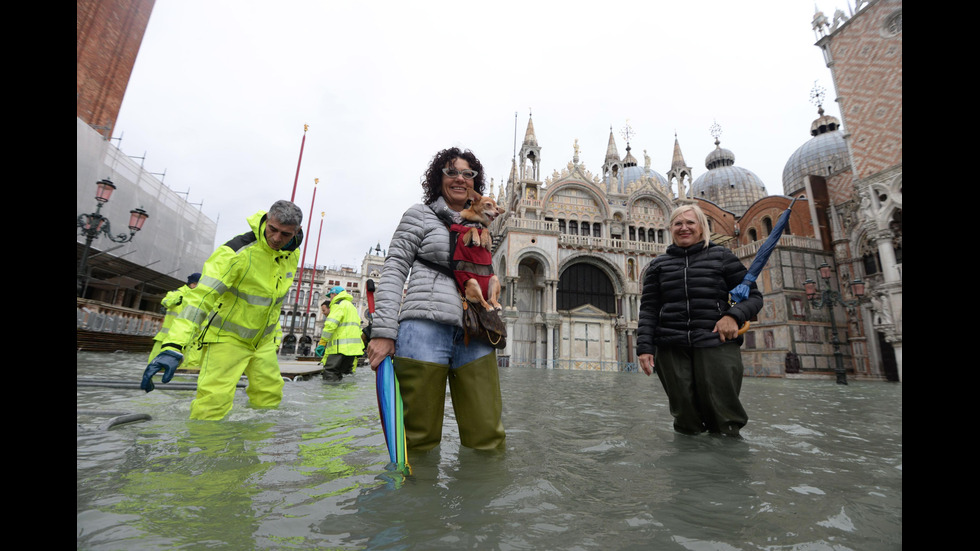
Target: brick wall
[[867, 66], [109, 33]]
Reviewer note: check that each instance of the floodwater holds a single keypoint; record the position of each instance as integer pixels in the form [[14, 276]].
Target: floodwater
[[591, 463]]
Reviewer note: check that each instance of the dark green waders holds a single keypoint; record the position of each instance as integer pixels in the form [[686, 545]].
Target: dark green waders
[[702, 386], [423, 390], [475, 390]]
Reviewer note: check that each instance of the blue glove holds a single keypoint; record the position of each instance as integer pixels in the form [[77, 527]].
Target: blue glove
[[319, 351], [168, 360]]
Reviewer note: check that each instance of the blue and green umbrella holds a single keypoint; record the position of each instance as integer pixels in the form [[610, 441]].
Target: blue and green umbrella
[[392, 415]]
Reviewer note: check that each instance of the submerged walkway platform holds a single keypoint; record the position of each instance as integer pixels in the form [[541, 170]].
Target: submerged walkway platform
[[299, 368]]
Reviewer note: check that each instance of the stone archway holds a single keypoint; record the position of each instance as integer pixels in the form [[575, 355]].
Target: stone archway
[[588, 308], [527, 344], [288, 344]]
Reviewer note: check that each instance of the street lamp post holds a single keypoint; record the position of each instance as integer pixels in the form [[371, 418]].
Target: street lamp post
[[93, 224], [829, 297]]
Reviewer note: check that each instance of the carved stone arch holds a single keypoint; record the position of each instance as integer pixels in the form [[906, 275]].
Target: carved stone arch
[[501, 266], [863, 243], [598, 196], [889, 197], [615, 274], [656, 199], [590, 280], [533, 253], [660, 200]]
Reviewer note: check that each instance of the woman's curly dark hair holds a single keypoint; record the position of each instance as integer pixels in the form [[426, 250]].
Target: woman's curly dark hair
[[432, 179]]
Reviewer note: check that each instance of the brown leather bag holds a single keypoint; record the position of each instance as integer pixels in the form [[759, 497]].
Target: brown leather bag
[[485, 325]]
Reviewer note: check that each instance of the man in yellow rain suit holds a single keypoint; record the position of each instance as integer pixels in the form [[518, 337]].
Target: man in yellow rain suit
[[341, 337], [236, 307]]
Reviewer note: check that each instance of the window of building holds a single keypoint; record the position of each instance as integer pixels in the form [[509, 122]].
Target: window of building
[[586, 284]]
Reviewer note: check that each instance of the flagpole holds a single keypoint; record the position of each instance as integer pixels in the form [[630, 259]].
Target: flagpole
[[299, 162], [299, 277], [315, 256]]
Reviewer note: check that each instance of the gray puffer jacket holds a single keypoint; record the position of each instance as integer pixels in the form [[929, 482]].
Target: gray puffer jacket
[[430, 295]]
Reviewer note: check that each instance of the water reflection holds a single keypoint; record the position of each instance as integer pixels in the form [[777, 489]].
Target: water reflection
[[591, 463]]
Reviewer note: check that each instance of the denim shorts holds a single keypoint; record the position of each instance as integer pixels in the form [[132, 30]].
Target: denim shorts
[[429, 341]]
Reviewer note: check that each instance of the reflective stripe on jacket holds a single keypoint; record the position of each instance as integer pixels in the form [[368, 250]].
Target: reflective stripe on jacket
[[241, 290], [342, 328], [174, 303]]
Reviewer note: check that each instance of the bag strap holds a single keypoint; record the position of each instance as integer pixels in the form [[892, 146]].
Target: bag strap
[[437, 267], [449, 271]]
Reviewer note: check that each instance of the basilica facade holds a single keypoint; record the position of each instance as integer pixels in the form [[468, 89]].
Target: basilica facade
[[572, 248]]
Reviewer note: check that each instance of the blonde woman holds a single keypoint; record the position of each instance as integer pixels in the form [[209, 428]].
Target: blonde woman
[[688, 332]]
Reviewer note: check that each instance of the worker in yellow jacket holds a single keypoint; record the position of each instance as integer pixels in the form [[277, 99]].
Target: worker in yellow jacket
[[236, 308], [341, 337], [174, 303]]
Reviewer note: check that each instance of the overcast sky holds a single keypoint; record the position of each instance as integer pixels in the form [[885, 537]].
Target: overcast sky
[[221, 90]]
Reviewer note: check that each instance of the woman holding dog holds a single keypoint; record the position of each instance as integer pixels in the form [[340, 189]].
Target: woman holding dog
[[422, 329], [690, 332]]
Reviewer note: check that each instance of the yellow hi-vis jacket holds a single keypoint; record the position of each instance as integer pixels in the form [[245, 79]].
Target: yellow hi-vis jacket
[[240, 293], [342, 328], [174, 303]]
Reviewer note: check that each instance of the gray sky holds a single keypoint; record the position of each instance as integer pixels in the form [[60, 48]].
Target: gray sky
[[221, 90]]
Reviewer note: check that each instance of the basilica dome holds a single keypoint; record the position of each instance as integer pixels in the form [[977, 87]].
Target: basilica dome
[[824, 155], [730, 187], [632, 172]]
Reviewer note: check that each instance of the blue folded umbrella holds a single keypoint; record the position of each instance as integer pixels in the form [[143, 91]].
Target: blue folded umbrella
[[741, 291]]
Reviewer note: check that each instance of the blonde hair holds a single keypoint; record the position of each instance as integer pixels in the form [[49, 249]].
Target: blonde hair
[[699, 214]]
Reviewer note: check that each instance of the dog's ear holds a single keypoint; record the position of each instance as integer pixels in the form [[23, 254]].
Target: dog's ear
[[472, 194]]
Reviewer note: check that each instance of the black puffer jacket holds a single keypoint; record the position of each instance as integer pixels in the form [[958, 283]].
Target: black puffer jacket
[[685, 292]]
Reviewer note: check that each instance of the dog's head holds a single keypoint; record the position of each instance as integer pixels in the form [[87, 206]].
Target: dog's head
[[483, 209]]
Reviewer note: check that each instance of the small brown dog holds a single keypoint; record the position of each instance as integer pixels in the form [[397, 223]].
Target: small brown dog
[[480, 213], [478, 216]]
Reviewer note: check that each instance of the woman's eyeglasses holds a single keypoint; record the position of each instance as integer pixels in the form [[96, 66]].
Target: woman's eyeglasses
[[452, 173]]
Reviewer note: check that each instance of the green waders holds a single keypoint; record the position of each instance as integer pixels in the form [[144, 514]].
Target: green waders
[[475, 390], [702, 386], [423, 390]]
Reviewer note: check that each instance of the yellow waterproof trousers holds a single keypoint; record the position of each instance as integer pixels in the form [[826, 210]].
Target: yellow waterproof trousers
[[222, 366]]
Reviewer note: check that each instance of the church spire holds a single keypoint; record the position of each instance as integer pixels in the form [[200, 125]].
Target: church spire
[[611, 165], [678, 158], [529, 138], [680, 173], [529, 157], [612, 154]]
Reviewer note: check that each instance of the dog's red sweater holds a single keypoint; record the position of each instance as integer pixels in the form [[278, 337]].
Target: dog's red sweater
[[473, 262]]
